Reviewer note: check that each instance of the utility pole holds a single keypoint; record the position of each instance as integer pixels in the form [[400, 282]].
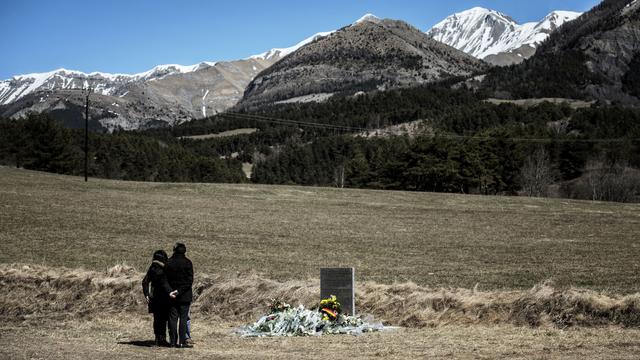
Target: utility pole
[[86, 135]]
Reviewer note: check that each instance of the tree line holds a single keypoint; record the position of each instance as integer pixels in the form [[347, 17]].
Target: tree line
[[40, 143]]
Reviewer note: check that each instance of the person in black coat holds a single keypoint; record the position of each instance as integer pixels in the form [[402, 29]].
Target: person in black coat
[[156, 291], [179, 271]]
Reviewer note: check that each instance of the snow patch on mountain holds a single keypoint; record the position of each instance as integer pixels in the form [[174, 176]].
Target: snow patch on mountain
[[367, 17], [170, 69], [483, 32], [282, 52], [630, 7], [204, 104]]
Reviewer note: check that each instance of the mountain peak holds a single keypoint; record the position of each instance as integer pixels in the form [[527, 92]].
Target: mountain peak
[[484, 32], [476, 11], [479, 13]]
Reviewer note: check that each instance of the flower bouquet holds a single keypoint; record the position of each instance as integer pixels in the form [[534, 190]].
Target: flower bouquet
[[331, 308], [284, 320]]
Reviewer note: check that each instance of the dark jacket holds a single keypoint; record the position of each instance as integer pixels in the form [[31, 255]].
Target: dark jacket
[[156, 287], [180, 276]]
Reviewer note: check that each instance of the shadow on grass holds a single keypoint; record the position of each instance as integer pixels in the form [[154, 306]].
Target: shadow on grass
[[142, 343]]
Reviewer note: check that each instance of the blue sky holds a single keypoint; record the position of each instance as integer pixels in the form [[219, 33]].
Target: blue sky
[[134, 35]]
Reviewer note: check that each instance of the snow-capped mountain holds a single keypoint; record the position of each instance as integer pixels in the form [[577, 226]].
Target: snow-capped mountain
[[165, 94], [168, 94], [494, 36], [114, 84], [102, 83]]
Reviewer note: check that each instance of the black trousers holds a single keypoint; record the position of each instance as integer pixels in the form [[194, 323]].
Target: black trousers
[[178, 316], [160, 321]]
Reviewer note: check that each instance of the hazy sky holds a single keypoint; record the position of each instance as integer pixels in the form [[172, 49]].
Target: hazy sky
[[134, 35]]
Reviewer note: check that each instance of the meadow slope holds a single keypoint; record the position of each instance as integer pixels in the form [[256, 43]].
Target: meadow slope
[[284, 233]]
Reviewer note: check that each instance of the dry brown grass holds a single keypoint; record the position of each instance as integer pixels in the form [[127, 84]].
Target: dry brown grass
[[59, 313], [288, 233], [72, 293]]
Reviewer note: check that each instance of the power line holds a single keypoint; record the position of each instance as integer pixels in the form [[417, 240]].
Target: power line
[[280, 121]]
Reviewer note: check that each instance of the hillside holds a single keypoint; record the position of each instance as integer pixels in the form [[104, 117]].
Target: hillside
[[370, 54], [595, 57]]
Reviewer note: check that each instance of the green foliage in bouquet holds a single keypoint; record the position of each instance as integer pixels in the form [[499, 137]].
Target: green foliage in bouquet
[[277, 305]]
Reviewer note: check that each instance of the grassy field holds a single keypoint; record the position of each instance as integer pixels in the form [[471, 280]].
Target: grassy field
[[418, 257], [438, 240]]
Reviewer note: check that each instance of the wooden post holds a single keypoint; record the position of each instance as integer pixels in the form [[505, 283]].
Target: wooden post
[[86, 136]]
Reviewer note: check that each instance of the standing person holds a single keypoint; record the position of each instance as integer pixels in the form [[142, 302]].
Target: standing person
[[158, 296], [180, 276]]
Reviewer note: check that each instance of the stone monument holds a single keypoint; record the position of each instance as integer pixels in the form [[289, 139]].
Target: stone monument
[[341, 283]]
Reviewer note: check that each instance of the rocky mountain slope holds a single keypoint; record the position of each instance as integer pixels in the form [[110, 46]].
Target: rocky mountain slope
[[494, 36], [164, 95], [596, 57], [369, 54], [167, 94]]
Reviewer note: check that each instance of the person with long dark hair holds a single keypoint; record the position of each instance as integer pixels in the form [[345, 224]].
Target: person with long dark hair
[[157, 292]]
